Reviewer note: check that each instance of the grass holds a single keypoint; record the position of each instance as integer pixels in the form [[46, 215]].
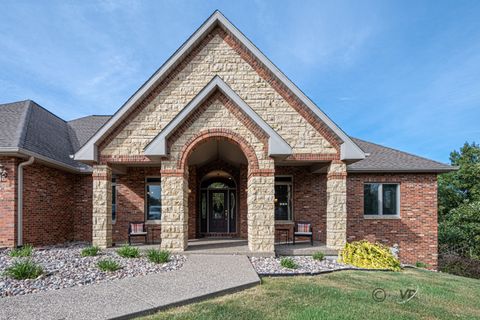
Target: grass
[[23, 269], [25, 251], [343, 295], [108, 265], [288, 263], [158, 256], [127, 251], [90, 251], [318, 256]]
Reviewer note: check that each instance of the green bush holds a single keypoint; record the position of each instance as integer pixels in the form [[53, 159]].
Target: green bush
[[90, 251], [420, 264], [318, 256], [25, 251], [108, 265], [158, 256], [24, 269], [288, 263], [364, 254], [128, 251]]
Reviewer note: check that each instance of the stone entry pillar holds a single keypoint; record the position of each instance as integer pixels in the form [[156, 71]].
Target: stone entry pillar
[[102, 206], [174, 212], [261, 214], [337, 205]]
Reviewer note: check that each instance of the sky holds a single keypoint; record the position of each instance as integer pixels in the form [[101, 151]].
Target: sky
[[405, 74]]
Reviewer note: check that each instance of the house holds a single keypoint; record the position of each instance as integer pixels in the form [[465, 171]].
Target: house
[[218, 142]]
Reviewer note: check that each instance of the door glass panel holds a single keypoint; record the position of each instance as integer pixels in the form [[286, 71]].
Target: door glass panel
[[218, 205]]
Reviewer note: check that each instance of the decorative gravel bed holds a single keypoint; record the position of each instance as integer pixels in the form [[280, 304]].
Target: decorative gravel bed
[[306, 265], [65, 267]]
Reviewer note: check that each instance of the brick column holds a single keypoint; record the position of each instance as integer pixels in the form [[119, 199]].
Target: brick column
[[8, 203], [174, 212], [337, 205], [261, 213], [102, 206]]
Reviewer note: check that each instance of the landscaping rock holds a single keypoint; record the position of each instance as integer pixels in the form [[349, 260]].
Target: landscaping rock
[[64, 267], [305, 265]]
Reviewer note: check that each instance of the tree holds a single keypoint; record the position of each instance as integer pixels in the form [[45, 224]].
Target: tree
[[463, 185]]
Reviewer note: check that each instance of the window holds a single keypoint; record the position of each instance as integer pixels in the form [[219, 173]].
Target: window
[[154, 200], [283, 198], [381, 199], [114, 200]]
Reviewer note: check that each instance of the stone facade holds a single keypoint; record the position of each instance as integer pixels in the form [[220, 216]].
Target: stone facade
[[217, 57], [261, 212], [336, 205], [102, 206], [174, 212]]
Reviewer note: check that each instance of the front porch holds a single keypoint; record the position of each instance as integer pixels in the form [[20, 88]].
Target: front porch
[[235, 246]]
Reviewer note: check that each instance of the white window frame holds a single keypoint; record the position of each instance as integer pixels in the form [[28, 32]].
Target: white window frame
[[147, 221], [290, 195], [380, 214], [114, 185]]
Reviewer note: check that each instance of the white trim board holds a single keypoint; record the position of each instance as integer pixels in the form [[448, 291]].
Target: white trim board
[[348, 149], [158, 146]]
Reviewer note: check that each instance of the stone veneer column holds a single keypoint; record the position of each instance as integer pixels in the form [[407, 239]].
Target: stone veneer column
[[261, 214], [174, 212], [102, 206], [337, 205]]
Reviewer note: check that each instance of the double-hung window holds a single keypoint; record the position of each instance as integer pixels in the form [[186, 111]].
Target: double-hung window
[[283, 199], [153, 199], [381, 199]]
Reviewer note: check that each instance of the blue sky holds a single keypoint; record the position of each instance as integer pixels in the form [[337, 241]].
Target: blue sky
[[405, 74]]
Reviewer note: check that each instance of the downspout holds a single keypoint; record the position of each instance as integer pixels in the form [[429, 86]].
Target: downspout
[[20, 200]]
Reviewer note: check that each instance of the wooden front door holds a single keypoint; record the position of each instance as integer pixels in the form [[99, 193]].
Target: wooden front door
[[218, 215]]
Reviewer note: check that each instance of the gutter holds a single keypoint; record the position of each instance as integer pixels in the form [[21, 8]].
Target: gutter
[[20, 200]]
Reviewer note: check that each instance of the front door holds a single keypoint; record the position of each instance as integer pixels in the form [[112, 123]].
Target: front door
[[218, 215]]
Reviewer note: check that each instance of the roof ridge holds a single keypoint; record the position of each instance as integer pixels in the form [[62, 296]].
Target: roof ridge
[[89, 116], [45, 109], [405, 152], [24, 123]]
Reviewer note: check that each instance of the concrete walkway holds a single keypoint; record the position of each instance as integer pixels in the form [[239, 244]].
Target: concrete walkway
[[202, 276]]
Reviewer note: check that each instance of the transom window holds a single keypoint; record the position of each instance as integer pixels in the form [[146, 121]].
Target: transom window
[[153, 199], [283, 198], [381, 199]]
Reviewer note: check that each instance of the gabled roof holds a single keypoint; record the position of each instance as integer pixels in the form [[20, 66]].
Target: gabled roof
[[276, 145], [84, 128], [384, 159], [29, 129], [348, 151]]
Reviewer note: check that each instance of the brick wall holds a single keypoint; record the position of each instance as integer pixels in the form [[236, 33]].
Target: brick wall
[[82, 219], [8, 208], [415, 232], [309, 199], [49, 205], [131, 203]]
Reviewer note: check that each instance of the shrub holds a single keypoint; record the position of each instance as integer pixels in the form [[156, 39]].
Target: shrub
[[364, 254], [420, 264], [318, 256], [128, 251], [25, 251], [288, 263], [90, 251], [158, 256], [108, 265], [24, 269]]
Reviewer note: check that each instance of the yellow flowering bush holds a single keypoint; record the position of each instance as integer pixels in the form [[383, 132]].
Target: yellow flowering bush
[[364, 254]]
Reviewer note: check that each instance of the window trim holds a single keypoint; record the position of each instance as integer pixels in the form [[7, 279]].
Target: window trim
[[152, 221], [380, 214], [114, 185], [292, 218]]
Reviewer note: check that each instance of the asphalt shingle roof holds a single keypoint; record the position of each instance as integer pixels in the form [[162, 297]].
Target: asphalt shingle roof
[[385, 159], [27, 125]]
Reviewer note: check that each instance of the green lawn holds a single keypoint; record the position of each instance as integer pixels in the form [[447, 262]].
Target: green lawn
[[343, 295]]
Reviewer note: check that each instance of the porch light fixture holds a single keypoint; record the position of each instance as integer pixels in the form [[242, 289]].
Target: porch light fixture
[[3, 173]]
